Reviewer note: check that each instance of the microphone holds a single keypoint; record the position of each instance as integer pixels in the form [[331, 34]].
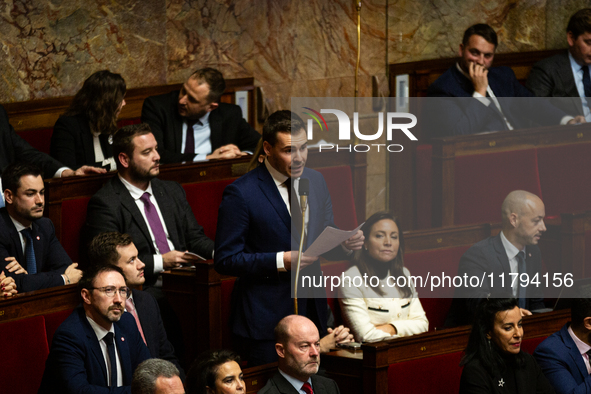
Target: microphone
[[304, 191]]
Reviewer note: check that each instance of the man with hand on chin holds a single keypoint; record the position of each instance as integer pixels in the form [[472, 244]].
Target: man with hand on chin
[[499, 100]]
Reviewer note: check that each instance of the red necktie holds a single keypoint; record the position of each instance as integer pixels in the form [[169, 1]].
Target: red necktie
[[307, 388], [131, 309]]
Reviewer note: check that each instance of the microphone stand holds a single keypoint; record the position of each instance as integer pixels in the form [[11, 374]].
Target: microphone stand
[[304, 206]]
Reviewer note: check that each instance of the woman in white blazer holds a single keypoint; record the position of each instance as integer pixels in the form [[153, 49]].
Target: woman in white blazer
[[377, 299]]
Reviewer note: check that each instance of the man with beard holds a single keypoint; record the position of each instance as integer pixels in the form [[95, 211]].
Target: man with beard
[[154, 213], [216, 130], [98, 347], [29, 250], [298, 348]]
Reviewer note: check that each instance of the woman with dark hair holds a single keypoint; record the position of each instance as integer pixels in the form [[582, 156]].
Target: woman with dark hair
[[493, 360], [377, 298], [215, 372], [83, 135]]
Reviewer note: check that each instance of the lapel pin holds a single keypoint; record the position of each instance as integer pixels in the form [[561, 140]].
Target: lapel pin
[[529, 255], [501, 382], [38, 238], [122, 339]]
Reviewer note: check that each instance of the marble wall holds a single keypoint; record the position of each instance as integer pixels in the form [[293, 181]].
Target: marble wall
[[292, 48]]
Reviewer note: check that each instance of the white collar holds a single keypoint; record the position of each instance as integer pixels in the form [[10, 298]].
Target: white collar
[[278, 177], [296, 383], [98, 330], [135, 191], [510, 249]]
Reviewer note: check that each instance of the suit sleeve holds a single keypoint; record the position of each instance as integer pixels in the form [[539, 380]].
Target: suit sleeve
[[474, 263], [197, 241], [248, 138], [16, 148], [63, 141], [557, 370], [355, 314], [539, 82], [232, 257]]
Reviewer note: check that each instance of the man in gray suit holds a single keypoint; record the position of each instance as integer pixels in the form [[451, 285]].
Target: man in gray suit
[[298, 347], [566, 75]]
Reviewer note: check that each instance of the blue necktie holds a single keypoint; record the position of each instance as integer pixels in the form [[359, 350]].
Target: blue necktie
[[112, 360], [521, 290], [29, 252], [586, 81]]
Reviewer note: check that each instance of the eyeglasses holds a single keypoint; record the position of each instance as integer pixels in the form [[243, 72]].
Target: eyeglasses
[[124, 292]]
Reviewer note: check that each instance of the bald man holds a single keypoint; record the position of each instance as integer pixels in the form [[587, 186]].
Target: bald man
[[298, 347], [513, 250]]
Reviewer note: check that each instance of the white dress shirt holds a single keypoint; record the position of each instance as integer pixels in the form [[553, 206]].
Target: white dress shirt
[[296, 383], [201, 135], [512, 253], [100, 335], [578, 76]]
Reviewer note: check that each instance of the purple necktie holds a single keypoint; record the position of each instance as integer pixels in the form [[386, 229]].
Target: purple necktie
[[155, 224], [190, 138]]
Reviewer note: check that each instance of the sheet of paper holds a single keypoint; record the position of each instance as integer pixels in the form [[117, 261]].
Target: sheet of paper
[[329, 238], [193, 256]]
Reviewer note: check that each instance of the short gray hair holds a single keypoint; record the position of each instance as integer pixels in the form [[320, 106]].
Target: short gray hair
[[146, 374]]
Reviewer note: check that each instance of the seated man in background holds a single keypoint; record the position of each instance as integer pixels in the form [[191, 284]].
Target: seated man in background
[[564, 357], [29, 250], [97, 347], [13, 147], [156, 376], [118, 249], [493, 90], [567, 73], [216, 130], [298, 348], [514, 250]]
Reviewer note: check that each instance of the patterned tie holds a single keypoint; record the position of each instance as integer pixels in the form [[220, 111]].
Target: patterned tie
[[190, 138], [307, 388], [29, 252], [586, 81], [112, 360], [131, 309], [521, 290], [155, 224]]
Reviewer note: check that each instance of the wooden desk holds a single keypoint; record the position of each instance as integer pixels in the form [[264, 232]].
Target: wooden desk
[[40, 302]]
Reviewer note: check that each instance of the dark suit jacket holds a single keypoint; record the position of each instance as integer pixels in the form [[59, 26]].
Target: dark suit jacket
[[457, 113], [13, 147], [51, 258], [553, 77], [562, 363], [486, 257], [76, 363], [253, 225], [279, 385], [71, 142], [153, 328], [113, 209], [226, 123], [529, 379]]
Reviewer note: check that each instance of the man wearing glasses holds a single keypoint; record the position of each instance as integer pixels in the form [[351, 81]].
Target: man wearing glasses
[[98, 346]]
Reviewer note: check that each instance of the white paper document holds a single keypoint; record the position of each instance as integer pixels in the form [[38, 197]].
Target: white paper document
[[329, 238]]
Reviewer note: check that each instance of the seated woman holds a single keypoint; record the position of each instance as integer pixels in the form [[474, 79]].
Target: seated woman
[[83, 135], [215, 372], [493, 360], [386, 305]]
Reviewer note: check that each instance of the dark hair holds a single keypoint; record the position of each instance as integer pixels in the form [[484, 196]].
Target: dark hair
[[103, 247], [365, 263], [12, 174], [579, 23], [579, 310], [98, 100], [89, 275], [146, 374], [282, 121], [483, 30], [123, 139], [479, 346], [203, 371], [214, 79]]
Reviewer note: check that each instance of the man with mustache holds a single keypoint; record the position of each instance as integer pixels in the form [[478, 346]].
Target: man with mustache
[[98, 346], [513, 251], [118, 249], [29, 250], [192, 124], [476, 97], [298, 348]]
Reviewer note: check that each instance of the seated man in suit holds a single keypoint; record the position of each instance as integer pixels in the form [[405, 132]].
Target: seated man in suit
[[563, 356], [156, 376], [298, 348], [12, 147], [217, 130], [154, 213], [118, 249], [257, 240], [514, 250], [29, 250], [98, 347], [567, 73], [476, 97]]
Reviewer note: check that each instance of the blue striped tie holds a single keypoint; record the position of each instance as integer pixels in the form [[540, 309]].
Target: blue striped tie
[[29, 252]]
